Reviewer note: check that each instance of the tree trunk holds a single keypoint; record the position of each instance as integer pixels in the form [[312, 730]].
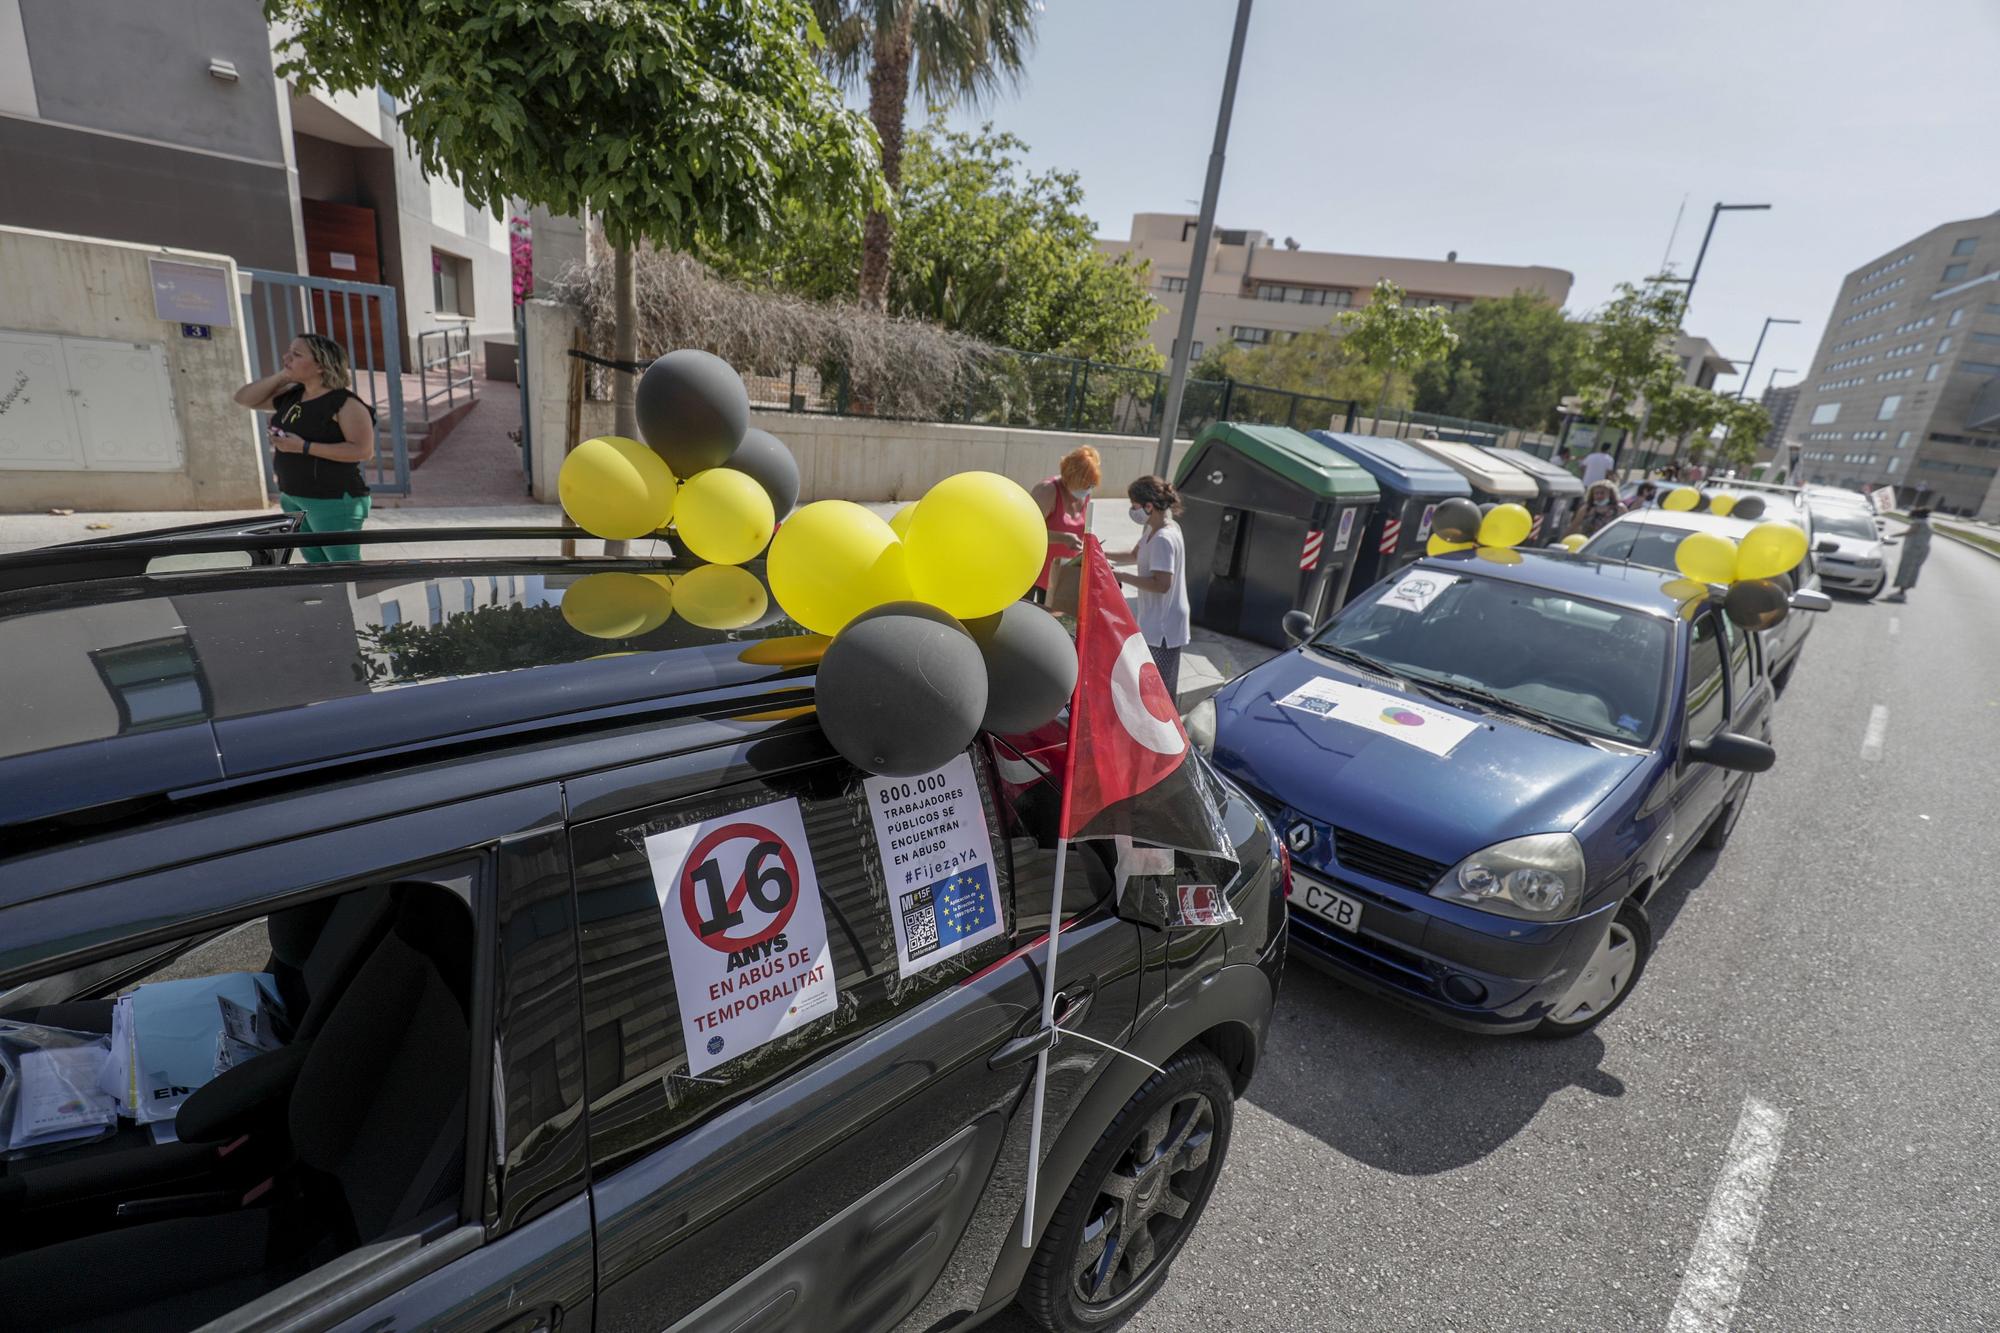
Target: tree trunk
[[624, 347], [888, 96], [1382, 397]]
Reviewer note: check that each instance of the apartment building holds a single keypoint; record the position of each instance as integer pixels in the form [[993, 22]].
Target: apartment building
[[1255, 291], [1779, 401], [1904, 390], [164, 123]]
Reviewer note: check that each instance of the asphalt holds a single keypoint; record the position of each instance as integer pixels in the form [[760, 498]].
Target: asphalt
[[1833, 968]]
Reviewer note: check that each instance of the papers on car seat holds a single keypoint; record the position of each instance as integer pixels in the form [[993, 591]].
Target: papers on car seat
[[177, 1035], [59, 1097]]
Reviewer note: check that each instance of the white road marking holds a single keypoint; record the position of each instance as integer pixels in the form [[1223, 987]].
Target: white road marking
[[1895, 626], [1877, 733], [1714, 1280]]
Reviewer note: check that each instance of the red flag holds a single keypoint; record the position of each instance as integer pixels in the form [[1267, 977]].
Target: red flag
[[1128, 770]]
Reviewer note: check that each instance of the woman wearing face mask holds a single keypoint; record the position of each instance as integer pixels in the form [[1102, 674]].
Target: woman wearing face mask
[[1065, 504], [1600, 505], [321, 432], [1161, 578]]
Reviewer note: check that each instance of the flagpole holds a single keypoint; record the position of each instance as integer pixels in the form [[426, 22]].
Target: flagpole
[[1042, 1056]]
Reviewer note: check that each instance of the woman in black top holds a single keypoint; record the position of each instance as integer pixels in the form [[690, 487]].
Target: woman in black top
[[320, 434]]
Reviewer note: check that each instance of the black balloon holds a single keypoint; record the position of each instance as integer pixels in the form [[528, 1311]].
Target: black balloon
[[1030, 668], [1750, 506], [1457, 521], [1701, 499], [766, 460], [1756, 603], [693, 410], [901, 689]]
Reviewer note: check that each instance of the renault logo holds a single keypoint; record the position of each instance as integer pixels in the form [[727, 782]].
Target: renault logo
[[1299, 836]]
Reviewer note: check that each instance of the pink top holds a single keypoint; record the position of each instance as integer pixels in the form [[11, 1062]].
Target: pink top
[[1060, 519]]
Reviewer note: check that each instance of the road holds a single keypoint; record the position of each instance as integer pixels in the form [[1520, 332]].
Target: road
[[1798, 1103]]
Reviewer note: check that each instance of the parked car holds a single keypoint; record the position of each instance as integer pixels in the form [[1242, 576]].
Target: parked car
[[1858, 563], [434, 813], [1649, 537], [1484, 771]]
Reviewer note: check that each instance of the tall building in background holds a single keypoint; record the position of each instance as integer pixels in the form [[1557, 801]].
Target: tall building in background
[[1904, 390], [164, 123], [1255, 292], [1778, 400]]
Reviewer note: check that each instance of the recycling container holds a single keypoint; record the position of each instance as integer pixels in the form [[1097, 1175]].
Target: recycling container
[[1413, 484], [1273, 523], [1493, 480], [1562, 492]]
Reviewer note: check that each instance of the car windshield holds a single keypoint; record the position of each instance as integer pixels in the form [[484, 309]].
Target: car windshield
[[1845, 523], [1582, 664]]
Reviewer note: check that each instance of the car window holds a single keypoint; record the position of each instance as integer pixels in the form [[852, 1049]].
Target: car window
[[1638, 543], [1837, 522], [1706, 709], [1028, 780], [645, 1085], [1739, 660], [1593, 666]]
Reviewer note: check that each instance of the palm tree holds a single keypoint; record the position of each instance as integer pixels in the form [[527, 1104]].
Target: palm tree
[[961, 49]]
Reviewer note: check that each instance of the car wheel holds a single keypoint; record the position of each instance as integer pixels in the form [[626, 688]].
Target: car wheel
[[1129, 1211], [1716, 836], [1607, 978]]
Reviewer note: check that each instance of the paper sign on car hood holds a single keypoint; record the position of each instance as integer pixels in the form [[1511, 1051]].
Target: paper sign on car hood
[[1429, 729]]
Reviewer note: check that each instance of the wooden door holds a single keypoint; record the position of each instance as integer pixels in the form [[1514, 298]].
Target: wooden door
[[340, 244]]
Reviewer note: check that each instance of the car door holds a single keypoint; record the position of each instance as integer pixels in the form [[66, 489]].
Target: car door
[[1700, 789], [820, 1180]]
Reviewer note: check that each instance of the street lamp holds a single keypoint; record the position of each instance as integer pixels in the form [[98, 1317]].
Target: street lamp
[[1713, 214], [1198, 261], [1751, 369], [1775, 372]]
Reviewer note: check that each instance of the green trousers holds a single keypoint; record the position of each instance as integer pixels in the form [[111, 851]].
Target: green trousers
[[346, 514]]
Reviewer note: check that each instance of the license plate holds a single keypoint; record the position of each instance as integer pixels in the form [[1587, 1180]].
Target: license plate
[[1329, 905]]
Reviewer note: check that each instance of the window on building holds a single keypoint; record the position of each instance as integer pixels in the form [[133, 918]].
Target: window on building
[[1990, 308], [1980, 367], [451, 283], [1826, 414], [1932, 373], [1956, 316], [1953, 272], [1991, 339], [1966, 245], [1194, 354], [1894, 463], [1944, 344], [1173, 284], [1903, 440], [1889, 406], [1246, 336]]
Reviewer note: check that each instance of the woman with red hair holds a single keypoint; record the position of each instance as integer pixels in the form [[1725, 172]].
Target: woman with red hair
[[1065, 504]]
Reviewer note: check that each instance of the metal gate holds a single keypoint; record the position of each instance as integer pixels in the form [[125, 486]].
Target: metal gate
[[361, 317]]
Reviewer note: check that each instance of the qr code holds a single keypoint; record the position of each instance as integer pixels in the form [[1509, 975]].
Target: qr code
[[920, 927], [1314, 704]]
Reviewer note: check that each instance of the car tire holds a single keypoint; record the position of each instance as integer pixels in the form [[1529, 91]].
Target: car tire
[[1716, 836], [1161, 1155], [1629, 928]]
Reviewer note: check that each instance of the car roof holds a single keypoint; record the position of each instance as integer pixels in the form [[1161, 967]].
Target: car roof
[[1724, 525], [132, 687], [1551, 569]]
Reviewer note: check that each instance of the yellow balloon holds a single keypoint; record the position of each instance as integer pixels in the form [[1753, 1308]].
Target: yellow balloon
[[833, 560], [616, 488], [1769, 549], [1499, 555], [720, 597], [1721, 504], [794, 650], [1574, 542], [1681, 497], [1683, 589], [1505, 525], [1439, 546], [1706, 558], [616, 606], [899, 522], [724, 516], [976, 545]]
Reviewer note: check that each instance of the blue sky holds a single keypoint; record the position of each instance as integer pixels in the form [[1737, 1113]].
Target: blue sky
[[1557, 132]]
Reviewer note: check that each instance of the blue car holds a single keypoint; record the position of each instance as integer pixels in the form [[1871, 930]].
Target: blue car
[[1484, 766]]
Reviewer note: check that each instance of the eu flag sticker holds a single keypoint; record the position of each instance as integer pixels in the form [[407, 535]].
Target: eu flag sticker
[[941, 920]]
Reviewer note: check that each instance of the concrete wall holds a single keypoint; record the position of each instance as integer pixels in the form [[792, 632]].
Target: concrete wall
[[101, 289]]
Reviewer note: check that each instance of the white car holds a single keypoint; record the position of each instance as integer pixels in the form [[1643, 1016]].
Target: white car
[[1858, 564], [1649, 537]]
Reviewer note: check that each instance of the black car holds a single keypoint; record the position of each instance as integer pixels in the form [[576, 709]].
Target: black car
[[428, 810]]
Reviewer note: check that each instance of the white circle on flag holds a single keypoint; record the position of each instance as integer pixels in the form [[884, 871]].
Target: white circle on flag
[[1155, 733]]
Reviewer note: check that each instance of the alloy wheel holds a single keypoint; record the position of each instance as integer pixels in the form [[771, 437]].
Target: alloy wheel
[[1605, 977], [1145, 1199]]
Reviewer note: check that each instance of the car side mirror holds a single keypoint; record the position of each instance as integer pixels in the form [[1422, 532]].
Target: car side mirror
[[1727, 749], [1827, 548], [1298, 626], [1808, 600], [1891, 541]]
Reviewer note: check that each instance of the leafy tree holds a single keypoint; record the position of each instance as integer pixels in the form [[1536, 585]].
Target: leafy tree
[[1677, 410], [1318, 361], [956, 49], [1744, 424], [1516, 358], [670, 122], [984, 247], [1392, 338], [1629, 354]]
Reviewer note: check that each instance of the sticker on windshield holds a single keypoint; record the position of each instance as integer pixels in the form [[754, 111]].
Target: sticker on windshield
[[1416, 591], [937, 859], [1431, 730]]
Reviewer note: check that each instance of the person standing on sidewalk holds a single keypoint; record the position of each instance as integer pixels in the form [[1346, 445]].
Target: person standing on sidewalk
[[320, 435], [1916, 550], [1064, 500], [1161, 556]]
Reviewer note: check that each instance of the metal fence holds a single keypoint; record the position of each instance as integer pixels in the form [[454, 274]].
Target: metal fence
[[444, 369]]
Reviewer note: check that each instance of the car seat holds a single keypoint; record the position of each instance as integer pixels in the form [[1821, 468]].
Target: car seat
[[377, 1124]]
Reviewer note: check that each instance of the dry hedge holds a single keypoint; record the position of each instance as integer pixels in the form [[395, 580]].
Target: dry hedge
[[903, 367]]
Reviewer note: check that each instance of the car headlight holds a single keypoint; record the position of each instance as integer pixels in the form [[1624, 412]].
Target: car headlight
[[1536, 878], [1200, 724]]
